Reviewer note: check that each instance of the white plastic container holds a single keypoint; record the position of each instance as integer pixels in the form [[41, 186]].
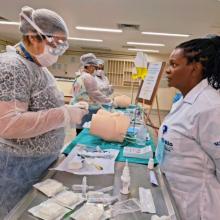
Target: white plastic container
[[151, 164], [141, 135], [125, 180]]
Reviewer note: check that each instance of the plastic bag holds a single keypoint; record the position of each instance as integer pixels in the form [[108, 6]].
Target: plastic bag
[[146, 200], [62, 196], [49, 210], [50, 187], [90, 212], [128, 206]]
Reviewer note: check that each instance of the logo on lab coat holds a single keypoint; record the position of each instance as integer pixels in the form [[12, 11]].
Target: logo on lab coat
[[168, 146], [217, 143]]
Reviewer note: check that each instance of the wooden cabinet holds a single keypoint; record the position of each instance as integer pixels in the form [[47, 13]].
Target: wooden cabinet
[[119, 73]]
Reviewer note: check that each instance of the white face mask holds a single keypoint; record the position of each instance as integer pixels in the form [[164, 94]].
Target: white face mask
[[100, 73], [95, 72], [46, 58]]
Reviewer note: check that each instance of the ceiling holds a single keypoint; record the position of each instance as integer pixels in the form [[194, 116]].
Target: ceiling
[[168, 16]]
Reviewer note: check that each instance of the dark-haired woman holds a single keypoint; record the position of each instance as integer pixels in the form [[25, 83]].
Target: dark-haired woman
[[190, 134]]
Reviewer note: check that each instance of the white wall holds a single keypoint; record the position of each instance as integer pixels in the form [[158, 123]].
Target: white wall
[[71, 67], [74, 67]]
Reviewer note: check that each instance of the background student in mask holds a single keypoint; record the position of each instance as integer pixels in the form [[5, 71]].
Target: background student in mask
[[33, 115], [85, 89], [102, 80]]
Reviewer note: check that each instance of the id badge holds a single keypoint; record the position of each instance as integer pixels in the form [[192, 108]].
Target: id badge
[[160, 150]]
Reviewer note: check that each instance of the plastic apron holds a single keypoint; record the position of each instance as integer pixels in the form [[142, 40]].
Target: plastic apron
[[103, 82], [24, 160], [189, 169]]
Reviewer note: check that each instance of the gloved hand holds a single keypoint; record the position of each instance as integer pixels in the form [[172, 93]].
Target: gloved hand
[[177, 97], [112, 87], [82, 105], [76, 113], [104, 88], [114, 104]]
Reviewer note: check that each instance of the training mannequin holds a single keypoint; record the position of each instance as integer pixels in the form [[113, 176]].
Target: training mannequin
[[122, 101], [109, 126]]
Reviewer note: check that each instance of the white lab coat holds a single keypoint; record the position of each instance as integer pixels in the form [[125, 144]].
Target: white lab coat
[[191, 160], [101, 82]]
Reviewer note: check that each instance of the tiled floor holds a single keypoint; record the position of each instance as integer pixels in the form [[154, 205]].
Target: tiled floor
[[71, 133]]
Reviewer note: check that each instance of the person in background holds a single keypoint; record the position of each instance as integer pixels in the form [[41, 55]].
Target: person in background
[[102, 80], [85, 89], [189, 138], [33, 116]]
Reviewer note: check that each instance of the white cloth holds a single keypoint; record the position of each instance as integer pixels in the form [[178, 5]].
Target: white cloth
[[192, 153], [103, 83]]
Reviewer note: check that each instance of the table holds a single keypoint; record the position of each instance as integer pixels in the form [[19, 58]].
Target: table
[[139, 178], [85, 138]]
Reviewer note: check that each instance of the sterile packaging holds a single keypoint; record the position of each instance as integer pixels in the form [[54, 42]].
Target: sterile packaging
[[49, 210], [90, 212], [142, 153], [128, 206], [146, 200], [68, 199], [104, 153], [153, 178], [50, 187], [106, 163]]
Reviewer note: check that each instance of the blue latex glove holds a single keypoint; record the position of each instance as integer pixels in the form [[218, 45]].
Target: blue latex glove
[[177, 97]]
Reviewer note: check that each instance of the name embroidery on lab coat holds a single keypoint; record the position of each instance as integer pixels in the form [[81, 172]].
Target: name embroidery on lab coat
[[217, 143], [168, 145]]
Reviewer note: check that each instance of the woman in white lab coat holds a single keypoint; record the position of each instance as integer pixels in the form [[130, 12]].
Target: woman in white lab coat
[[190, 134], [102, 80]]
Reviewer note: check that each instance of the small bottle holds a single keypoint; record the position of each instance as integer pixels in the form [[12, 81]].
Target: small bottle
[[125, 180], [151, 164], [141, 135]]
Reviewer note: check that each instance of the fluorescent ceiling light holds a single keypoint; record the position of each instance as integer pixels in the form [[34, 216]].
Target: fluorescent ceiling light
[[9, 22], [84, 39], [98, 29], [147, 44], [166, 34], [156, 51]]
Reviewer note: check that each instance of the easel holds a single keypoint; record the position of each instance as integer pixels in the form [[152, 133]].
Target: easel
[[153, 97]]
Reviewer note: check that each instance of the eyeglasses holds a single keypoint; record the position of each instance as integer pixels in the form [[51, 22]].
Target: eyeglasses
[[58, 46]]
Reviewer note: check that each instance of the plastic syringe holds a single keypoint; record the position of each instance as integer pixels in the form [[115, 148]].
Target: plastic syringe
[[105, 189], [79, 187], [103, 200], [83, 187]]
